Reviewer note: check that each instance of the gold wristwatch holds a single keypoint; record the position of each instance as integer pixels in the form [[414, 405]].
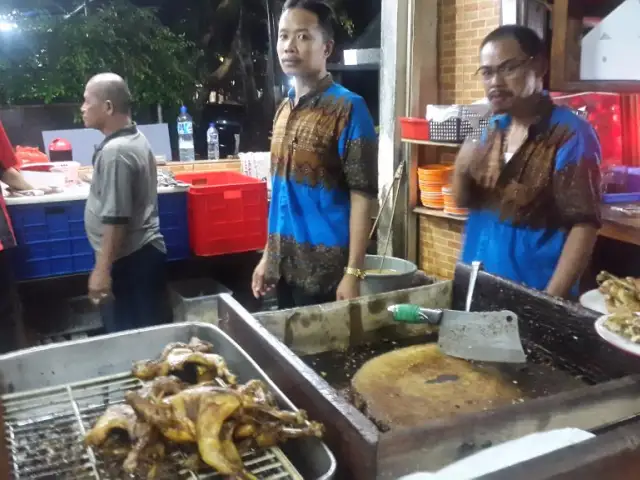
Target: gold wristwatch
[[356, 272]]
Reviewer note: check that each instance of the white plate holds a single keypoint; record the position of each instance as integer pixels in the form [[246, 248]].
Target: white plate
[[615, 339], [594, 300]]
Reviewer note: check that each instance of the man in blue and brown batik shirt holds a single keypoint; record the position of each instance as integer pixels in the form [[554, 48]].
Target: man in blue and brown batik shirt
[[324, 170], [533, 183]]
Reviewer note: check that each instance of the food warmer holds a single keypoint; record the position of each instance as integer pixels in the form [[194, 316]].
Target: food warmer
[[52, 395]]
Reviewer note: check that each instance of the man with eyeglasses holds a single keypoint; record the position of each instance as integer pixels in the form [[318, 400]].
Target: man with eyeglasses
[[532, 183]]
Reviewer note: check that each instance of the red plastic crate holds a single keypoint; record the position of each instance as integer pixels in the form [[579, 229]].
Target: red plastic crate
[[602, 110], [414, 128], [227, 212]]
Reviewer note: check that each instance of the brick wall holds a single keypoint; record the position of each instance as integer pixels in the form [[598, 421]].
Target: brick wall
[[462, 25], [439, 245]]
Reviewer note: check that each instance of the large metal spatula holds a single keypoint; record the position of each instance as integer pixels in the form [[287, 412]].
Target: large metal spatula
[[480, 336]]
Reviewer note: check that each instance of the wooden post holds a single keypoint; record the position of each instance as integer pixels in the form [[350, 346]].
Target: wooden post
[[408, 82], [422, 79], [393, 92]]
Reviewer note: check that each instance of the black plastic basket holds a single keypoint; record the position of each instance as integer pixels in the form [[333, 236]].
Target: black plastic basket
[[456, 129], [447, 131], [466, 126]]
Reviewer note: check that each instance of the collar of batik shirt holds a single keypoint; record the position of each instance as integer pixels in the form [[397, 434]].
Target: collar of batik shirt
[[321, 87], [541, 124]]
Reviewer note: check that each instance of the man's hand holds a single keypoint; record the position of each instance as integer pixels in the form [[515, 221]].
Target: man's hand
[[348, 288], [573, 260], [99, 286], [258, 285], [14, 179]]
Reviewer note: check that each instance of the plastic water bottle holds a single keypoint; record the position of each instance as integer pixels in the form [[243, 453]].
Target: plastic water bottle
[[213, 143], [185, 136]]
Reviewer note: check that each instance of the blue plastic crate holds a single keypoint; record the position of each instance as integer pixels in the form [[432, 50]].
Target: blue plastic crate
[[610, 198], [627, 185], [172, 208], [51, 239]]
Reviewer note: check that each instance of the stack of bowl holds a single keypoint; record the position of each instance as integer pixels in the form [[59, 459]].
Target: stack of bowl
[[431, 180], [450, 206]]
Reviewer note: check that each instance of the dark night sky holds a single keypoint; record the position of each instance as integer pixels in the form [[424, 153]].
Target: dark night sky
[[361, 12]]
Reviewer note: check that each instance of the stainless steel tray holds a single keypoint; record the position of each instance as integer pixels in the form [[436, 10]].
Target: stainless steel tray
[[65, 368]]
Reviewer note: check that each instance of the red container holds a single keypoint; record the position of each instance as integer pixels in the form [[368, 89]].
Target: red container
[[602, 110], [60, 150], [30, 155], [414, 128], [227, 212]]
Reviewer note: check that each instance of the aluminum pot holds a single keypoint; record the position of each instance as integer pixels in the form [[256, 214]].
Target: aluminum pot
[[396, 274]]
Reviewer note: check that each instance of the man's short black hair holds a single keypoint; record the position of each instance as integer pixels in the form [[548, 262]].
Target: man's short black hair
[[529, 41], [322, 10]]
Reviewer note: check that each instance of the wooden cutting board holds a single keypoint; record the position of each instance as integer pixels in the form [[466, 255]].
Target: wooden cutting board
[[412, 385]]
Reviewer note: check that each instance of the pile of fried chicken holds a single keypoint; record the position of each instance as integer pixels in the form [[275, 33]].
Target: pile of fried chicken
[[621, 295], [625, 324], [209, 418]]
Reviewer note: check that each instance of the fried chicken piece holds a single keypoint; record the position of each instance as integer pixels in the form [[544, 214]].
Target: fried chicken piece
[[161, 387], [246, 429], [191, 461], [194, 463], [208, 365], [259, 392], [116, 417], [197, 415], [215, 417], [144, 439], [195, 345], [274, 433], [296, 418], [621, 295], [147, 368], [215, 439], [257, 397], [162, 416]]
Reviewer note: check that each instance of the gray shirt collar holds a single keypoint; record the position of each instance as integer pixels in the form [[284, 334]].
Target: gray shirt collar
[[123, 132]]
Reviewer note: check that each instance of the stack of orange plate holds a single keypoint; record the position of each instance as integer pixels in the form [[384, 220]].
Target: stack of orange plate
[[431, 180], [450, 206]]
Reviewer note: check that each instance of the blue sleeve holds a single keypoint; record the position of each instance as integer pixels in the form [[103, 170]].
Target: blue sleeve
[[577, 178], [358, 149]]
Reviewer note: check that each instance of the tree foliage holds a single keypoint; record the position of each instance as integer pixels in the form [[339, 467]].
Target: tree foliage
[[170, 54], [50, 58]]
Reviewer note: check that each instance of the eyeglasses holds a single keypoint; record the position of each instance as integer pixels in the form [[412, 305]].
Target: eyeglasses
[[507, 69]]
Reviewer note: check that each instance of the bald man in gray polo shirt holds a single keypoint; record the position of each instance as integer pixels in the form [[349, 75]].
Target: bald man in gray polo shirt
[[121, 214]]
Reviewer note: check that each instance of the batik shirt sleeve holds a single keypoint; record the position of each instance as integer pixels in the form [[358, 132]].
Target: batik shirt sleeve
[[577, 179], [358, 149]]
